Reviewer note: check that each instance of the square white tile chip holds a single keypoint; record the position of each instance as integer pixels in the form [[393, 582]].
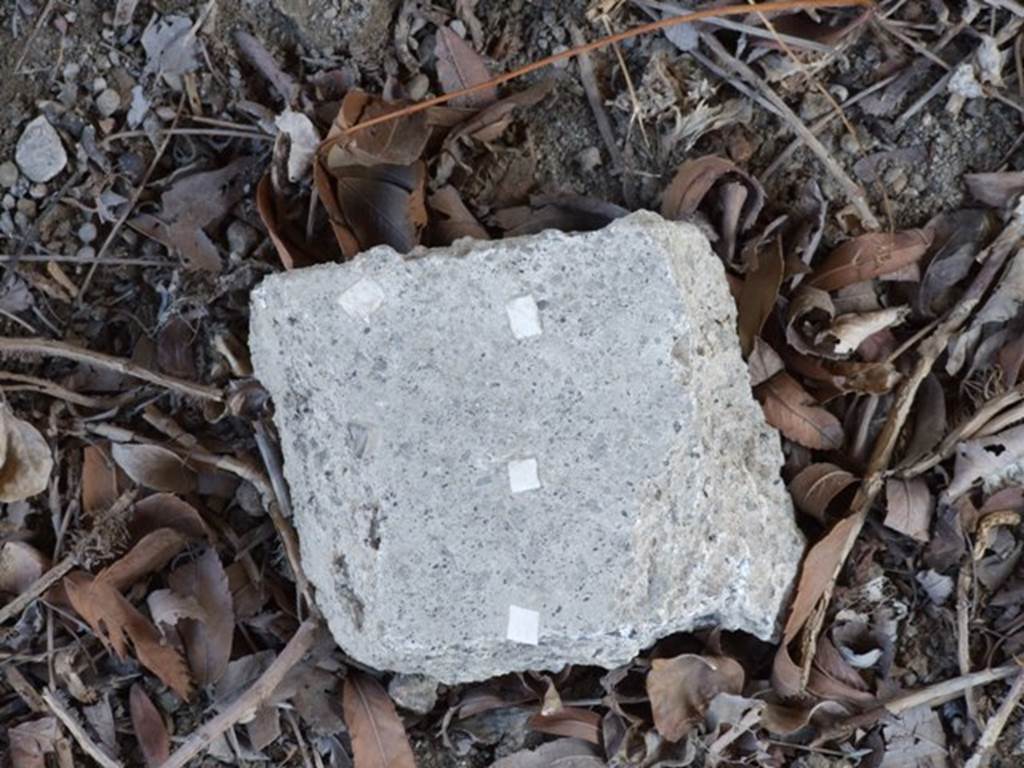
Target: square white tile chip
[[362, 299], [523, 625], [522, 475], [524, 317]]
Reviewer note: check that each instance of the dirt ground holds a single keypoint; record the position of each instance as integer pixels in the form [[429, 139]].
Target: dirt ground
[[148, 299]]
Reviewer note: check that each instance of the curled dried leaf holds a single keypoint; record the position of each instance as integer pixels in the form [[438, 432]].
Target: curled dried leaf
[[571, 722], [378, 736], [452, 218], [681, 688], [870, 256], [26, 459], [847, 332], [998, 189], [810, 310], [817, 486], [790, 408]]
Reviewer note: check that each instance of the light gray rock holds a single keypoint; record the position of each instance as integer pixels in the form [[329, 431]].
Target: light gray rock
[[361, 26], [525, 453], [39, 152], [416, 693]]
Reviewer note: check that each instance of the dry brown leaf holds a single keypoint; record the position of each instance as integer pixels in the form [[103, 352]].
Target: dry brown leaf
[[571, 722], [102, 482], [164, 510], [562, 753], [174, 352], [26, 459], [153, 466], [997, 189], [985, 458], [458, 67], [452, 218], [681, 688], [150, 553], [115, 621], [869, 256], [20, 565], [764, 362], [396, 142], [378, 736], [150, 729], [817, 486], [207, 642], [909, 507], [810, 310], [758, 295], [167, 607], [490, 122], [789, 408]]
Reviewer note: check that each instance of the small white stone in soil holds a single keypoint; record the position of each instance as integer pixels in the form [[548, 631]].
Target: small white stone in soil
[[522, 475], [108, 102], [87, 232], [40, 153], [523, 625], [8, 174]]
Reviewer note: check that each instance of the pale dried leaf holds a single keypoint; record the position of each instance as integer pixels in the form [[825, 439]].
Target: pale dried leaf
[[562, 753], [790, 409], [20, 565], [167, 607], [458, 67], [27, 461], [909, 507], [985, 459], [869, 256], [764, 362], [207, 642], [31, 741], [847, 332]]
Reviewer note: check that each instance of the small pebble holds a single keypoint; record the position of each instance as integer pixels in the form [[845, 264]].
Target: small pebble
[[241, 238], [108, 102], [8, 202], [458, 27], [417, 87], [98, 84], [87, 232], [564, 63], [589, 159], [38, 191], [849, 144], [86, 252], [8, 174], [40, 153], [896, 180], [27, 207], [71, 71], [416, 693]]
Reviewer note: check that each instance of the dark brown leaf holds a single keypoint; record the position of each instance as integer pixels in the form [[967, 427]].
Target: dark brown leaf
[[758, 295], [396, 142], [378, 736], [149, 727], [164, 510], [102, 482], [568, 213], [790, 409], [681, 688], [151, 553], [764, 362], [31, 741], [458, 67], [154, 467], [571, 722], [819, 485], [562, 753], [452, 218], [207, 642], [869, 256], [174, 353], [958, 238]]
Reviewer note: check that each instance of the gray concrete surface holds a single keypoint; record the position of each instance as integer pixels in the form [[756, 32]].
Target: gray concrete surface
[[525, 453]]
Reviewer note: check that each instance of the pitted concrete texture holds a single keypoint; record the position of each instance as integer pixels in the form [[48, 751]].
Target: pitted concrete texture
[[525, 453]]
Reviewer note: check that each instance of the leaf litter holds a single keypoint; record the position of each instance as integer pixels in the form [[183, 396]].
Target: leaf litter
[[156, 549]]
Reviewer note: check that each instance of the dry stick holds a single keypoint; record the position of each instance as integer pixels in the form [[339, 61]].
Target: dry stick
[[993, 258], [32, 346], [130, 207], [995, 726], [963, 640], [850, 187], [643, 29], [590, 87], [78, 732], [249, 701], [36, 589]]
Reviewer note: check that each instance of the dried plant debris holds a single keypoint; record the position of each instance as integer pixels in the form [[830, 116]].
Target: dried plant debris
[[159, 161]]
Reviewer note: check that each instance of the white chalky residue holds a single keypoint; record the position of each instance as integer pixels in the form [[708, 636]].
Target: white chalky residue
[[524, 317], [523, 625], [362, 299], [522, 475]]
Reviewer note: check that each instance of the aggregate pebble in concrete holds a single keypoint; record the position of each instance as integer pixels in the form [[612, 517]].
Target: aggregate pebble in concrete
[[525, 453], [39, 152]]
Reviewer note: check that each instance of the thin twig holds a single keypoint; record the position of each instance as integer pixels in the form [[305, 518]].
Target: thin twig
[[36, 589], [32, 346], [995, 726], [642, 29], [249, 701], [963, 638], [78, 732], [593, 92]]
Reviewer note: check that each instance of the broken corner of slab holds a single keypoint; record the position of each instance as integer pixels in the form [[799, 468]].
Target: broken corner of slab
[[525, 453]]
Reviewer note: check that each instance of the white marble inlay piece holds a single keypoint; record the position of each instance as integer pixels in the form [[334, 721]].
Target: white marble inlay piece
[[522, 475], [523, 625], [524, 317], [362, 299]]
